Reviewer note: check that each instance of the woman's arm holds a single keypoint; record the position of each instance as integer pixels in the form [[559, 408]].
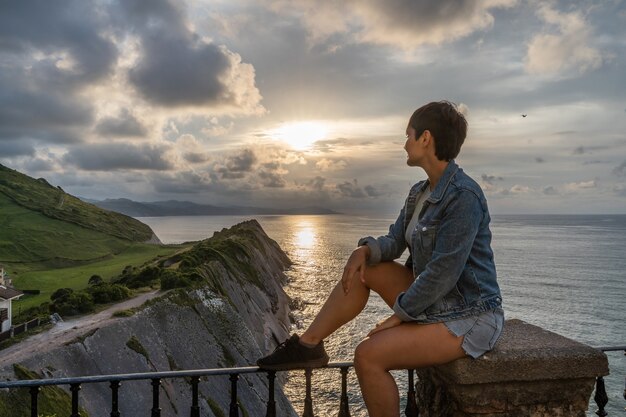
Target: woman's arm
[[453, 243], [387, 247]]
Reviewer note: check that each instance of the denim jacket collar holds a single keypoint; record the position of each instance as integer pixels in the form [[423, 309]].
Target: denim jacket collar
[[443, 183]]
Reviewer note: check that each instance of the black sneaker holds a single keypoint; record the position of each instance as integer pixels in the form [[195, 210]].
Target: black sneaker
[[291, 355]]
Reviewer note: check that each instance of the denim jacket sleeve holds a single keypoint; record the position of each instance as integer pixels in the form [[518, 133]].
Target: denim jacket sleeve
[[387, 247], [453, 242]]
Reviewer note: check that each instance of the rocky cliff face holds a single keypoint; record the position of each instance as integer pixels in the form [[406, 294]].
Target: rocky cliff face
[[237, 316]]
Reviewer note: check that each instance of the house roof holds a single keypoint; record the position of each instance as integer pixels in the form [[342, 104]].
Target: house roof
[[9, 293]]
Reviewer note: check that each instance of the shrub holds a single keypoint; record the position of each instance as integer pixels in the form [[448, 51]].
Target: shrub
[[61, 294], [106, 293], [173, 279], [76, 303], [145, 277], [95, 280]]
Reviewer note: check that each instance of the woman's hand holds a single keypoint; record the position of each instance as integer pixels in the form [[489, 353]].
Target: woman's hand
[[388, 323], [356, 264]]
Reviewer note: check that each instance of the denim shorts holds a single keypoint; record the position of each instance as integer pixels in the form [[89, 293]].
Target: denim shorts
[[480, 332]]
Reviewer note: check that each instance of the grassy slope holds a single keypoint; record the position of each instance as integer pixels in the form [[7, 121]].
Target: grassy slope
[[28, 236], [77, 277], [40, 196], [46, 244]]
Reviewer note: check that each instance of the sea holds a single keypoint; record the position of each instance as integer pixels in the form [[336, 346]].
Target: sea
[[564, 273]]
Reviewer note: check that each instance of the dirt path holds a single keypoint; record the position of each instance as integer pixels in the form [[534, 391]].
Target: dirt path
[[68, 330]]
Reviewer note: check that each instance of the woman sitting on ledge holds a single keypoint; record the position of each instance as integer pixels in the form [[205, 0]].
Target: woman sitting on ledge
[[446, 301]]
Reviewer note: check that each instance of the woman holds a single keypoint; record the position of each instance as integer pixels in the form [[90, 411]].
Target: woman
[[446, 301]]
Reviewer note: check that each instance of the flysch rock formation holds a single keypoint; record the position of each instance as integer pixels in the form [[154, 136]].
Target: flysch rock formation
[[237, 317]]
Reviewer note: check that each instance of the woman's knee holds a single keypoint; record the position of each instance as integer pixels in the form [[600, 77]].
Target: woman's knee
[[364, 356]]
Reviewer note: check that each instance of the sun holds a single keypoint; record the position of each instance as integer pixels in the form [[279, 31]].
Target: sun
[[301, 135]]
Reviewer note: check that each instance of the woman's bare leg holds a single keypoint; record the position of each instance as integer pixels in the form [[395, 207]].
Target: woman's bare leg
[[388, 279], [407, 346]]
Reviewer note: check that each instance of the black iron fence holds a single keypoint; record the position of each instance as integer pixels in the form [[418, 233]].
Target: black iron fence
[[155, 378], [600, 396]]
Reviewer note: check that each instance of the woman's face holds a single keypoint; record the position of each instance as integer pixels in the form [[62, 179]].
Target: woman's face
[[414, 147]]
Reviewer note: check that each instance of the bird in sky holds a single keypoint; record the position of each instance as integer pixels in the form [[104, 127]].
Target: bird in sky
[[524, 115]]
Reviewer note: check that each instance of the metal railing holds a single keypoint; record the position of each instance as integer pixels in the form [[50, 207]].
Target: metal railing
[[600, 397], [195, 375], [115, 381]]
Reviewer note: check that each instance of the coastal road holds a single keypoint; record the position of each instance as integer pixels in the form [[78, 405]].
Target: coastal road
[[67, 331]]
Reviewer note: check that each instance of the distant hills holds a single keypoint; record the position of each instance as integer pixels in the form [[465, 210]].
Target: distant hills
[[187, 208]]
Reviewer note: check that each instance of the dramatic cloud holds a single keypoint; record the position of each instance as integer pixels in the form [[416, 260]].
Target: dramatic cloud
[[352, 190], [194, 71], [191, 150], [325, 164], [66, 37], [567, 52], [116, 156], [126, 124], [317, 183], [402, 24], [271, 179], [236, 166], [10, 148]]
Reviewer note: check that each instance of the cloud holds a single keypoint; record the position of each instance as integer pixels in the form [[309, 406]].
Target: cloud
[[194, 71], [71, 48], [401, 24], [325, 164], [577, 186], [516, 189], [371, 191], [567, 52], [489, 179], [237, 165], [620, 170], [351, 189], [271, 179], [39, 164], [620, 190], [581, 150], [126, 124], [120, 156], [317, 183], [10, 148], [409, 23], [191, 150], [550, 190]]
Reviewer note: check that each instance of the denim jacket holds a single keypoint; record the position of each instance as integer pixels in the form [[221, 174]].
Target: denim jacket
[[451, 254]]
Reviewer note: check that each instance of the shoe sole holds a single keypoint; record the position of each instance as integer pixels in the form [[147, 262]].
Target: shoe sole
[[318, 363]]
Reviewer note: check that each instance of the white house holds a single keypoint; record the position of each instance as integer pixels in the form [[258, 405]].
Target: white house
[[6, 295]]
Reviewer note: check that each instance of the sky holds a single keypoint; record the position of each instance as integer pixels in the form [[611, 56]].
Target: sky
[[292, 103]]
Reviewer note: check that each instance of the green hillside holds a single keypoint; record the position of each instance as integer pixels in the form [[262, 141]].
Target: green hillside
[[52, 202], [50, 239]]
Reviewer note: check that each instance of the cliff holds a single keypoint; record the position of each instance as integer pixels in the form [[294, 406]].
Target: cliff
[[232, 319]]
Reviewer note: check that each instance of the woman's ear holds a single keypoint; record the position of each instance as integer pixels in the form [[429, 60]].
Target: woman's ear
[[427, 137]]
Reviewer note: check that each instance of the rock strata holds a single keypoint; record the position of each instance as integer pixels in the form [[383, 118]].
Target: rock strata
[[236, 317]]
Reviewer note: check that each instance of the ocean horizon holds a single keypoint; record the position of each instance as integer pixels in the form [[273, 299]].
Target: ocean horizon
[[564, 273]]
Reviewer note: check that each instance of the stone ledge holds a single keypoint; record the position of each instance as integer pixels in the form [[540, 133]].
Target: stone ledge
[[532, 372], [527, 353]]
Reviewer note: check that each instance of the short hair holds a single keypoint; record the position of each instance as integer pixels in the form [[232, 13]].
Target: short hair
[[447, 125]]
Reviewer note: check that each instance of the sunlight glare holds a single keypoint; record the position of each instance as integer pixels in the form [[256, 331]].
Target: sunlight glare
[[305, 238], [301, 135]]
